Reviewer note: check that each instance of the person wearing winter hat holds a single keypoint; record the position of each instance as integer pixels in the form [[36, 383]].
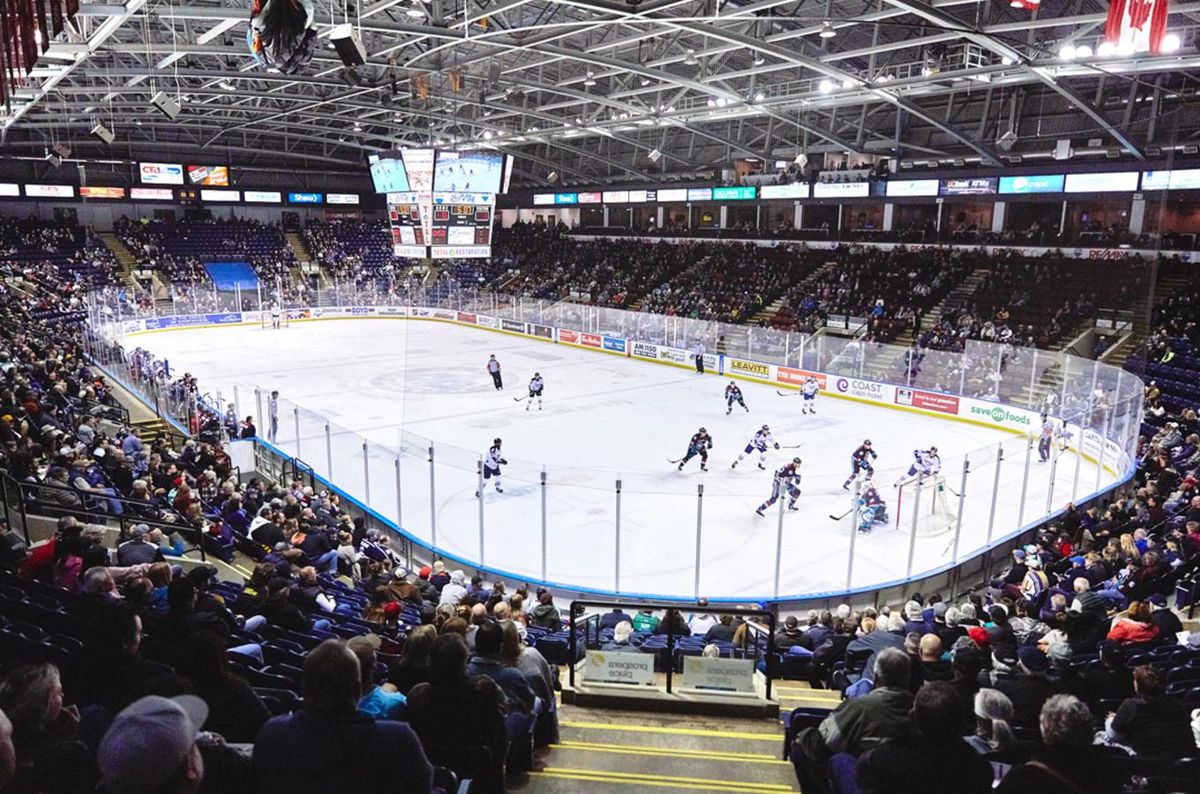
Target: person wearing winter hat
[[454, 592], [151, 747]]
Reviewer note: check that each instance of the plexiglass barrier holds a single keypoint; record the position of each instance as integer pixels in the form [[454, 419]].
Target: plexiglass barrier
[[649, 535]]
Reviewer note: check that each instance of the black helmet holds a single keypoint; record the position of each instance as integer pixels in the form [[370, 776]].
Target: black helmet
[[866, 442], [796, 460], [702, 430], [766, 428], [496, 441]]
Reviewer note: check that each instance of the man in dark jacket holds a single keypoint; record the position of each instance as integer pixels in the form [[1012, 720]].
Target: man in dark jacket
[[1151, 723], [137, 550], [884, 636], [858, 724], [934, 742]]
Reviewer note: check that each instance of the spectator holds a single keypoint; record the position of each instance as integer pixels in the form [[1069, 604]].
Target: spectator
[[8, 753], [857, 724], [934, 743], [138, 549], [151, 747], [322, 747], [620, 639], [545, 615], [486, 661], [457, 713], [378, 701], [454, 591], [235, 711], [414, 666], [1151, 723], [1135, 628], [1069, 763], [1026, 684], [49, 759], [993, 735], [111, 672]]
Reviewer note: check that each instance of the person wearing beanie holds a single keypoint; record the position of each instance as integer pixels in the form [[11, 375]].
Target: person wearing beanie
[[455, 591]]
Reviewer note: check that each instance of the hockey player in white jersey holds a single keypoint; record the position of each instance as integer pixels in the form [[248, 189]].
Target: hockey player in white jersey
[[926, 463], [762, 439], [1046, 438], [733, 394], [536, 384], [809, 392], [491, 467], [786, 480]]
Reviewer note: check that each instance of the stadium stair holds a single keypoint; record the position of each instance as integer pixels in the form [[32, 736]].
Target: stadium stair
[[153, 429], [126, 261], [957, 298], [295, 241], [602, 750], [765, 314]]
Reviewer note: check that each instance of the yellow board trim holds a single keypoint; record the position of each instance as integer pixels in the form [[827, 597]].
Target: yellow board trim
[[668, 781]]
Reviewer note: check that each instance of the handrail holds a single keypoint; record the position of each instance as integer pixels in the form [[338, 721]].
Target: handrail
[[578, 605]]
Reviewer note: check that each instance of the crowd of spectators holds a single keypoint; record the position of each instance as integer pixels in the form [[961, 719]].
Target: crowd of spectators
[[76, 254]]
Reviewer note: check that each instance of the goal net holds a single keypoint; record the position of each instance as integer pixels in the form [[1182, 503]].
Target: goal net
[[268, 323], [929, 503]]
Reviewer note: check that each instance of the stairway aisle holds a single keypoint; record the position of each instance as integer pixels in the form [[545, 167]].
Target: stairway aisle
[[603, 750], [295, 241], [126, 261], [957, 298]]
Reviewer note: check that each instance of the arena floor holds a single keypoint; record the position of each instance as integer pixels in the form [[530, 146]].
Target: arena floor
[[607, 418]]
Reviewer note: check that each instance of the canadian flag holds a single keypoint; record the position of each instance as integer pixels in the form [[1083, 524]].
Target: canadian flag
[[1137, 23]]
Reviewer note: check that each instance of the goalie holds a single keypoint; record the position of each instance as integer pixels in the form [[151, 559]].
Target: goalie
[[871, 509], [926, 463]]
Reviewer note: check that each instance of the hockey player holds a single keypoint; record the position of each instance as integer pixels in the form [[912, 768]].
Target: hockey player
[[273, 415], [1046, 439], [760, 441], [733, 394], [871, 509], [926, 463], [700, 444], [535, 390], [787, 480], [275, 315], [809, 392], [860, 460], [491, 467], [493, 368]]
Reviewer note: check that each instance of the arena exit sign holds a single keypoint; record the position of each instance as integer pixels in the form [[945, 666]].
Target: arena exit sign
[[733, 193]]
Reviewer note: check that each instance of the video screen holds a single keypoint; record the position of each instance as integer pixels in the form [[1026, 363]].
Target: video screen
[[468, 172], [208, 175], [388, 174]]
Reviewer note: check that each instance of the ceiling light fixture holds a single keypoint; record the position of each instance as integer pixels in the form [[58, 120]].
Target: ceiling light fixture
[[1106, 49], [1083, 51], [825, 86], [760, 96], [1170, 43], [1066, 52], [415, 10], [591, 79], [759, 60], [827, 31], [690, 58]]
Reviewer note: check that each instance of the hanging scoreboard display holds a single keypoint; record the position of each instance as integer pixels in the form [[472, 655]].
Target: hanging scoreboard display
[[409, 229], [448, 209], [462, 225]]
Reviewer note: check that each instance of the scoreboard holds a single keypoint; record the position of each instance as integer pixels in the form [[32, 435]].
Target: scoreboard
[[461, 225], [408, 217]]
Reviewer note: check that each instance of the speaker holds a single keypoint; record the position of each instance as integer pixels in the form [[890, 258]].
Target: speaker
[[103, 133], [167, 106], [552, 177], [1062, 149], [1006, 141], [348, 44], [655, 155]]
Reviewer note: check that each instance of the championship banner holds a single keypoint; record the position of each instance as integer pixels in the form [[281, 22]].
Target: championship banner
[[1136, 24]]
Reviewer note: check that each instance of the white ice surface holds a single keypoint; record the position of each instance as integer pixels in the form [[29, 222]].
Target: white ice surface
[[606, 417]]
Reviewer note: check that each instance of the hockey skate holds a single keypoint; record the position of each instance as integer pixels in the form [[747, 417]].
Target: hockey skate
[[792, 507], [759, 513], [499, 489], [703, 467], [733, 465], [764, 468]]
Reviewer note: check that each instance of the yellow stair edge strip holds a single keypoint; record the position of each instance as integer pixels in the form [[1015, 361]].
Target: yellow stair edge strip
[[692, 754], [669, 781], [611, 726]]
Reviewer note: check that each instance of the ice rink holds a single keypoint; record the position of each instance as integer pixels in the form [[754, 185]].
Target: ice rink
[[406, 384]]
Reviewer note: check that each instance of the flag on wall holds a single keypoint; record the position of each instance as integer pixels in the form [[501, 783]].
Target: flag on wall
[[1136, 23]]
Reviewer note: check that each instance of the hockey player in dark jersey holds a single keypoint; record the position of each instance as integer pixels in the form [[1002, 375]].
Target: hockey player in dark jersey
[[860, 460], [700, 444], [733, 394], [786, 481]]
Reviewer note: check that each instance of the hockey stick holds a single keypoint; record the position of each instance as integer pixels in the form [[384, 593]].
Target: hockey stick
[[791, 446], [674, 462], [518, 399], [787, 393], [843, 515]]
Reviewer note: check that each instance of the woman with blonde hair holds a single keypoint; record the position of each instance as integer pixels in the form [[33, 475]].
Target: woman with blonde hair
[[993, 713], [49, 759]]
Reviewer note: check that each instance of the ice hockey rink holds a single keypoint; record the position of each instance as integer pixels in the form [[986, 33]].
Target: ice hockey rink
[[405, 385]]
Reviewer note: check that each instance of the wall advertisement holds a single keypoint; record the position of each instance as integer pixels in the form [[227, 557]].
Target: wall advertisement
[[863, 389], [614, 344], [644, 350], [1005, 416], [513, 325], [797, 377], [749, 369], [927, 400]]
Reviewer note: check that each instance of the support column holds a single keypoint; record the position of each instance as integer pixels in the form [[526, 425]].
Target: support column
[[723, 217], [798, 216], [1062, 220], [889, 213], [1137, 214], [659, 218], [606, 216], [999, 211]]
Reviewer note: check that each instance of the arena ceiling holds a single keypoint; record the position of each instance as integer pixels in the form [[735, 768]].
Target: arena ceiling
[[616, 90]]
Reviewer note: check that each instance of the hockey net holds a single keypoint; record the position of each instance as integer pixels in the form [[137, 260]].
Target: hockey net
[[928, 502], [267, 323]]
